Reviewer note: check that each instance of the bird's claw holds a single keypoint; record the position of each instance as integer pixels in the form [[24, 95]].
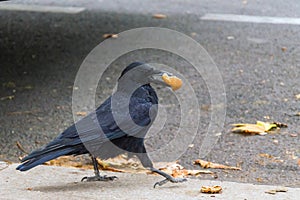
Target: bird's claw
[[99, 178], [172, 180]]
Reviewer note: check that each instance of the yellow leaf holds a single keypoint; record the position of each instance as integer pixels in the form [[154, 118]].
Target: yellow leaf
[[211, 189], [260, 128]]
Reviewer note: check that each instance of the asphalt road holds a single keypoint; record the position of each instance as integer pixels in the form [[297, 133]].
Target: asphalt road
[[259, 62]]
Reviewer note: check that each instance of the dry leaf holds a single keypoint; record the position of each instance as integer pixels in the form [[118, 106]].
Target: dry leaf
[[7, 97], [211, 189], [260, 128], [70, 161], [280, 125], [206, 164], [283, 189], [176, 170], [159, 16], [110, 35], [122, 164], [81, 113], [259, 179], [299, 162]]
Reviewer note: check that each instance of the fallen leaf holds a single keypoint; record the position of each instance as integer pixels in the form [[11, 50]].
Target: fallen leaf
[[274, 191], [260, 128], [176, 170], [206, 164], [110, 35], [9, 84], [211, 189], [297, 114], [280, 125], [10, 97], [29, 189], [299, 162], [265, 155], [81, 113], [259, 179], [159, 16]]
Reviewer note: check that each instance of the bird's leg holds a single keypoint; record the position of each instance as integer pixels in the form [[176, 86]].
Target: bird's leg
[[147, 163], [97, 176], [167, 176]]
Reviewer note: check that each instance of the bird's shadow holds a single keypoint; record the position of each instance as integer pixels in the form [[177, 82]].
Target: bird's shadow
[[79, 186], [76, 186]]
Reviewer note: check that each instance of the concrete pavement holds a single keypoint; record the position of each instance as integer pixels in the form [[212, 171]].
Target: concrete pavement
[[50, 182]]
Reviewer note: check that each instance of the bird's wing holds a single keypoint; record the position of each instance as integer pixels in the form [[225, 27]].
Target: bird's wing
[[100, 126]]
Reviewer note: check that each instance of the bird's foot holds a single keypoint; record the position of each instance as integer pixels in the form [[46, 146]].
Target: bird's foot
[[170, 179], [99, 178]]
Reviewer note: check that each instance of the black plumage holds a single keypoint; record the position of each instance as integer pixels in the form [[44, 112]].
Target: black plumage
[[100, 134]]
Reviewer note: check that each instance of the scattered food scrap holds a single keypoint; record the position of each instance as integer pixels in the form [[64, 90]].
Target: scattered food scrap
[[283, 189], [81, 113], [206, 164], [159, 16], [173, 81], [283, 49], [211, 189], [260, 128], [294, 135], [110, 35]]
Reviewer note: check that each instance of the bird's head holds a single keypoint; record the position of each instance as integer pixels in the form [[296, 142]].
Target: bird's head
[[143, 73]]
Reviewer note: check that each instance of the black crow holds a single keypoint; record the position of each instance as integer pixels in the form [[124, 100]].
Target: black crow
[[109, 131]]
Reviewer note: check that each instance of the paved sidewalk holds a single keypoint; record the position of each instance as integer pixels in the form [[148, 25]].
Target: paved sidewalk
[[49, 182]]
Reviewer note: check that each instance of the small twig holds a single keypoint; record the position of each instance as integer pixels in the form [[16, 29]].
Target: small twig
[[7, 164], [20, 147], [27, 112]]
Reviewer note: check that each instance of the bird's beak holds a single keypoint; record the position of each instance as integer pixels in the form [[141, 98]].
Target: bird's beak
[[166, 79]]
